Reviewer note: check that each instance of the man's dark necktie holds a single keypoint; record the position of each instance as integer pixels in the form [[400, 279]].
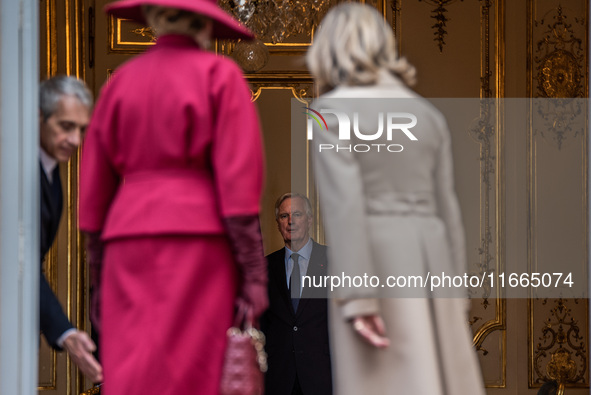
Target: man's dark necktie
[[295, 282]]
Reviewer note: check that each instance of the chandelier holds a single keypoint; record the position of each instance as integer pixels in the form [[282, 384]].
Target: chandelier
[[273, 21]]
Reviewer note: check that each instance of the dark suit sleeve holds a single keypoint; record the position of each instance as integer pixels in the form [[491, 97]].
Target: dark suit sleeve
[[264, 320], [53, 320]]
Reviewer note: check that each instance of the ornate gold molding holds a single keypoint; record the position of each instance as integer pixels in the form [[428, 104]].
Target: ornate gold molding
[[561, 369], [50, 39], [301, 84], [488, 132], [561, 339]]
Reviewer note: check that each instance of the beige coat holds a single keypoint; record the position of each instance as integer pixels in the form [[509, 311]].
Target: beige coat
[[394, 214]]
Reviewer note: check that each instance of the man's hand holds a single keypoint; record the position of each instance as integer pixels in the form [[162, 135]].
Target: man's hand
[[80, 347], [372, 329]]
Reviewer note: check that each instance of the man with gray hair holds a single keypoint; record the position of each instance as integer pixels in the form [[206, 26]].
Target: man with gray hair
[[296, 325], [65, 105]]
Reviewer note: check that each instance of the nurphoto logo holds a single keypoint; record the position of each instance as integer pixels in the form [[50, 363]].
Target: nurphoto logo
[[395, 122]]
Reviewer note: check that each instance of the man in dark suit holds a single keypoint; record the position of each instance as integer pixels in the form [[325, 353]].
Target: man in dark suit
[[65, 105], [295, 324]]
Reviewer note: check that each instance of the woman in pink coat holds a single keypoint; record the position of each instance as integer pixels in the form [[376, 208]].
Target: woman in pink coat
[[171, 178]]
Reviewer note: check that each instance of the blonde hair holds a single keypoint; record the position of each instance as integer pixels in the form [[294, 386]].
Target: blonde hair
[[351, 46]]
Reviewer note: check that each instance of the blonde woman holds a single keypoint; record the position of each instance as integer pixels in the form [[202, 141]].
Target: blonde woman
[[388, 213], [171, 179]]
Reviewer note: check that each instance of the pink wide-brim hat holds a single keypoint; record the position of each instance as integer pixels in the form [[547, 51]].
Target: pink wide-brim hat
[[224, 25]]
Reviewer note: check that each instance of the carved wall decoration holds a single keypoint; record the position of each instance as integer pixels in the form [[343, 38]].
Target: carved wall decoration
[[560, 353], [559, 72], [251, 55], [484, 133], [147, 32], [439, 14], [396, 9], [486, 86], [559, 57], [557, 119], [559, 75]]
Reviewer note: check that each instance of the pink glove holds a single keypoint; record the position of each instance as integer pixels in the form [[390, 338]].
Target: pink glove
[[94, 254], [244, 234]]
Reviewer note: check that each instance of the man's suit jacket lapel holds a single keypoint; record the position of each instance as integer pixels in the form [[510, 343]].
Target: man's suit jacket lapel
[[280, 281]]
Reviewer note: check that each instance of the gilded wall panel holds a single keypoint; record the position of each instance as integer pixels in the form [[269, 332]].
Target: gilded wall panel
[[275, 91], [458, 49], [557, 187], [466, 40], [456, 70]]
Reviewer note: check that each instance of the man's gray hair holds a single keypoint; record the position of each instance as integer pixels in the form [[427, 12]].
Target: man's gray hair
[[290, 195], [51, 91]]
